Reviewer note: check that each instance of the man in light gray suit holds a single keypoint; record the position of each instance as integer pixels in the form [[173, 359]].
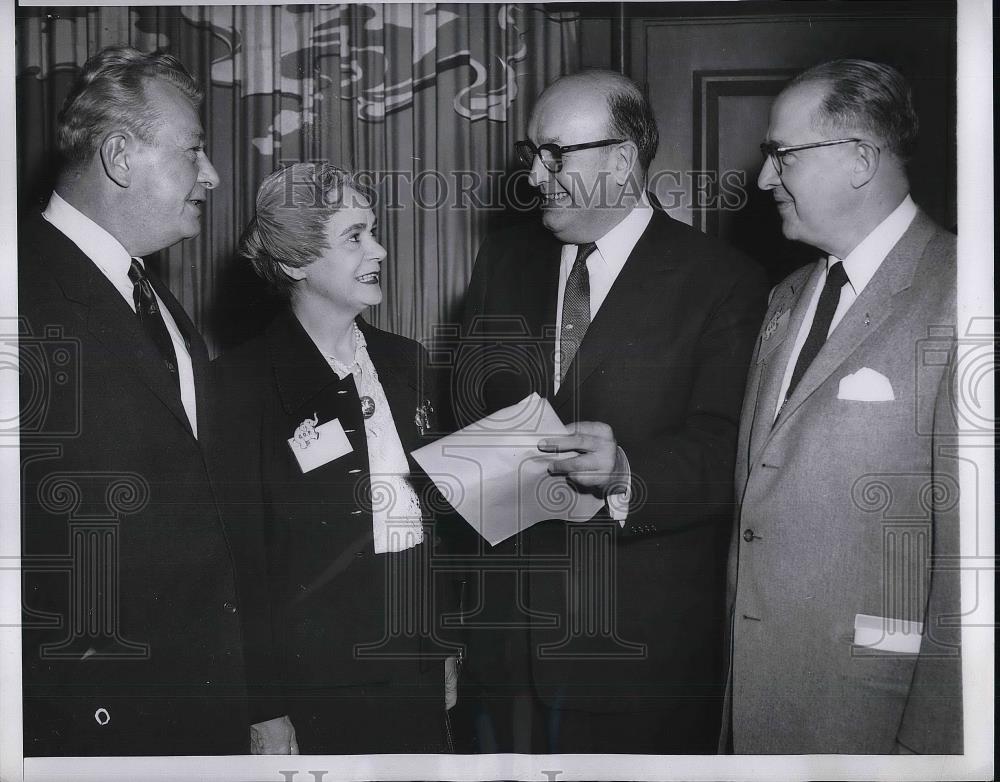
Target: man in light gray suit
[[844, 620]]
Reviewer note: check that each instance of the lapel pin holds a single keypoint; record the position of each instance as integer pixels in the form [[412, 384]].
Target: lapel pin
[[868, 319], [423, 417], [772, 326], [306, 432], [367, 406]]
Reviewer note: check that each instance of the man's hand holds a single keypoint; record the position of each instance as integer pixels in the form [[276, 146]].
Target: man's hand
[[599, 467], [274, 737], [450, 682]]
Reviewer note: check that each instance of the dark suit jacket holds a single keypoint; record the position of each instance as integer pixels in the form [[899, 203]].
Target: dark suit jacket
[[341, 614], [130, 599], [663, 364]]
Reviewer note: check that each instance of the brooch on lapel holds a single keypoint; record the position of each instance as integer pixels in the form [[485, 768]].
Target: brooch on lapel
[[305, 433], [772, 326], [367, 407], [423, 417]]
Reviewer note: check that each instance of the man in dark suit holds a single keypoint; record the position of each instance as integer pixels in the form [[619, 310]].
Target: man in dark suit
[[605, 636], [132, 624], [844, 632]]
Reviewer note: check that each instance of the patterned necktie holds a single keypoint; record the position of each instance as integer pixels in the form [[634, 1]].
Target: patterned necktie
[[836, 277], [576, 309], [148, 311]]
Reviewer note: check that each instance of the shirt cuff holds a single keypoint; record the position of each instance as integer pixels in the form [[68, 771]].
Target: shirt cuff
[[620, 493]]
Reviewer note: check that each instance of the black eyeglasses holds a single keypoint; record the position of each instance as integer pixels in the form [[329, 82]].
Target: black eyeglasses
[[551, 155], [776, 154]]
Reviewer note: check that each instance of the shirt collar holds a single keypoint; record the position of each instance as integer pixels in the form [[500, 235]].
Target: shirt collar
[[863, 261], [361, 358], [617, 244], [96, 243]]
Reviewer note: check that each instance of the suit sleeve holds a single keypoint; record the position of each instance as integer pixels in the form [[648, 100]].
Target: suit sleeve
[[932, 718], [236, 469], [684, 475]]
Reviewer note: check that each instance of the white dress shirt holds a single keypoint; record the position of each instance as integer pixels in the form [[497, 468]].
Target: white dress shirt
[[860, 266], [603, 267], [114, 262], [396, 517]]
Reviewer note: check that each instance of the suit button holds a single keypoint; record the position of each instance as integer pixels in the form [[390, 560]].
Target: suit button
[[229, 608], [748, 535]]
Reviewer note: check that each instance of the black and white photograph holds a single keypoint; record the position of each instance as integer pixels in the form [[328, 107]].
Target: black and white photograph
[[495, 391]]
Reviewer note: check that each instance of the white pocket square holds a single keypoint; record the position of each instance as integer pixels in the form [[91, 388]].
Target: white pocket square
[[866, 385]]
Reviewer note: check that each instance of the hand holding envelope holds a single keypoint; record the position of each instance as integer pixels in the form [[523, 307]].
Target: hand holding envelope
[[494, 475]]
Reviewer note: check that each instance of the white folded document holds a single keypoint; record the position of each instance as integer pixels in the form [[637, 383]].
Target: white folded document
[[493, 474]]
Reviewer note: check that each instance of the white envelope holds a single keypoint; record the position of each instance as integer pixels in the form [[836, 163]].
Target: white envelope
[[866, 385], [887, 634], [331, 443], [493, 474]]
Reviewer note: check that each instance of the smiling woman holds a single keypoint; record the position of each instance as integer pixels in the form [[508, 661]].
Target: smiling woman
[[314, 420]]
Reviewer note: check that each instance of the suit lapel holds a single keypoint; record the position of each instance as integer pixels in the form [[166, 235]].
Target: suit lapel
[[110, 319], [301, 372], [796, 295], [637, 289], [866, 314]]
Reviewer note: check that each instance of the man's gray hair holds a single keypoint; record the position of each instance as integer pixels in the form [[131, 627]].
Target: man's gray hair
[[867, 96], [110, 93]]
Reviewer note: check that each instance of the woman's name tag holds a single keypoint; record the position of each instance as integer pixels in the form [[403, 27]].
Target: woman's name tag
[[314, 446]]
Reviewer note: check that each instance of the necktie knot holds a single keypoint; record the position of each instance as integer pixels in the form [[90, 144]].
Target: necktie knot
[[136, 272], [583, 252], [836, 276]]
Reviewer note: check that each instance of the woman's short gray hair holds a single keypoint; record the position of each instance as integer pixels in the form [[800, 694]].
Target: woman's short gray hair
[[289, 224]]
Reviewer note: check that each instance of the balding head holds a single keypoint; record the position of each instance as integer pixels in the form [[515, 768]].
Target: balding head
[[606, 123], [620, 104]]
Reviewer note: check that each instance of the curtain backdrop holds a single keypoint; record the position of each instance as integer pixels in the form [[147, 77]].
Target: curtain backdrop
[[425, 99]]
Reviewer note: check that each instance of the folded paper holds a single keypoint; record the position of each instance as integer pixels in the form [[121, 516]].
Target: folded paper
[[493, 474]]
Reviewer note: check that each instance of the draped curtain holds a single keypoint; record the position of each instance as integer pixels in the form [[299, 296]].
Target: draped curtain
[[425, 99]]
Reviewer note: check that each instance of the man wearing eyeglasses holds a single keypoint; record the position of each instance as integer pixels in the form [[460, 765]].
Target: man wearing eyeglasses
[[844, 621], [606, 634]]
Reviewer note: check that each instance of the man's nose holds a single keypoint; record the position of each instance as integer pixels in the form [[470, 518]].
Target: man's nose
[[768, 178], [207, 175], [538, 173]]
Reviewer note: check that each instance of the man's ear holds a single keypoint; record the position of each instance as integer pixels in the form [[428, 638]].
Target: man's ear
[[865, 164], [624, 160], [296, 273], [115, 158]]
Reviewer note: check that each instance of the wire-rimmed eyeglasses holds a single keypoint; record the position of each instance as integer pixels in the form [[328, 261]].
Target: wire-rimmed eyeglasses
[[551, 155], [775, 153]]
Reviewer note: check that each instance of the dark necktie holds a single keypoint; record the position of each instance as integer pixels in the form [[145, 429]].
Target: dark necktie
[[576, 309], [148, 311], [836, 277]]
